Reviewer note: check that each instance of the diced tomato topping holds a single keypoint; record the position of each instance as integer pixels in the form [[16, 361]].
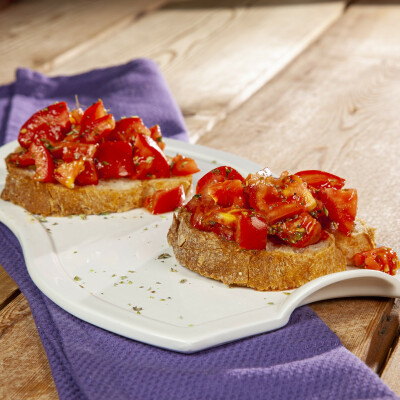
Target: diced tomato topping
[[127, 129], [320, 179], [182, 166], [341, 205], [43, 162], [251, 232], [24, 159], [67, 172], [149, 160], [97, 130], [155, 132], [114, 160], [51, 123], [95, 111], [166, 200], [89, 174], [76, 116], [301, 231], [70, 151], [219, 174], [227, 194], [381, 259]]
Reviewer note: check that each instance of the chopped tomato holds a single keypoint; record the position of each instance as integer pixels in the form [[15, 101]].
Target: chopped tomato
[[320, 179], [89, 174], [251, 232], [155, 132], [219, 174], [166, 200], [67, 172], [281, 210], [227, 193], [51, 123], [182, 166], [381, 259], [43, 162], [95, 111], [301, 231], [341, 205], [70, 151], [76, 116], [22, 159], [114, 160], [149, 160], [97, 131], [127, 129]]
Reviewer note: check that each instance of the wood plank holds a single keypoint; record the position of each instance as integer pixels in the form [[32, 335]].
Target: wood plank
[[8, 288], [214, 56], [36, 34], [367, 331], [23, 364]]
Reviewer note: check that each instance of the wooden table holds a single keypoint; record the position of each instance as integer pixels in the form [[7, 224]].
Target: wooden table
[[291, 85]]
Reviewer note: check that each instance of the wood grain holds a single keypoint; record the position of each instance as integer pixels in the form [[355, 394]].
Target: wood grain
[[8, 288], [214, 57], [23, 362], [390, 374], [40, 33]]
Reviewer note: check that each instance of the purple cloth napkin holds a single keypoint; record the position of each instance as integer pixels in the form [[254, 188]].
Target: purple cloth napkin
[[304, 360]]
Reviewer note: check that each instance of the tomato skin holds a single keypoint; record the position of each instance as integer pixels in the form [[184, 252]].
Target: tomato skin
[[321, 179], [163, 201], [89, 174], [98, 130], [24, 159], [341, 205], [301, 231], [114, 160], [227, 194], [43, 162], [380, 259], [182, 166], [149, 160], [70, 151], [127, 129], [219, 174], [51, 123], [93, 112], [67, 172], [251, 232], [155, 133]]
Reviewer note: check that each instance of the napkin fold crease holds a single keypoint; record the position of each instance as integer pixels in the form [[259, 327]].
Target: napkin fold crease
[[304, 360]]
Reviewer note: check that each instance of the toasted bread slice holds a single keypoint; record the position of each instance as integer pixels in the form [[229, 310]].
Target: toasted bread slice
[[278, 267], [114, 195], [361, 239]]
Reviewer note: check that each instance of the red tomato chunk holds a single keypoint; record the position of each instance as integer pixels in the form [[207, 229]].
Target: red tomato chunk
[[163, 201], [380, 259]]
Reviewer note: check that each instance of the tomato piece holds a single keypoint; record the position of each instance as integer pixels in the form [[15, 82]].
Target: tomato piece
[[51, 123], [155, 133], [114, 160], [166, 200], [76, 116], [93, 112], [89, 174], [127, 129], [381, 259], [149, 160], [67, 172], [341, 205], [321, 179], [70, 151], [43, 162], [182, 166], [251, 232], [219, 174], [301, 231], [97, 130], [227, 194], [24, 159]]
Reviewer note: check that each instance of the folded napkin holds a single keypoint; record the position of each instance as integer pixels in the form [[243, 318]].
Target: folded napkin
[[303, 360]]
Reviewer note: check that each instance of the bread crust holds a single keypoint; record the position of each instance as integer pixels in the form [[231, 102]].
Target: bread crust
[[275, 268], [52, 199]]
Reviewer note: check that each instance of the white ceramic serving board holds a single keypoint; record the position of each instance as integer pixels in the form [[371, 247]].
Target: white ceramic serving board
[[117, 272]]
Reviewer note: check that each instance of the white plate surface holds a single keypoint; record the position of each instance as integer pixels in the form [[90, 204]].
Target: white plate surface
[[118, 272]]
